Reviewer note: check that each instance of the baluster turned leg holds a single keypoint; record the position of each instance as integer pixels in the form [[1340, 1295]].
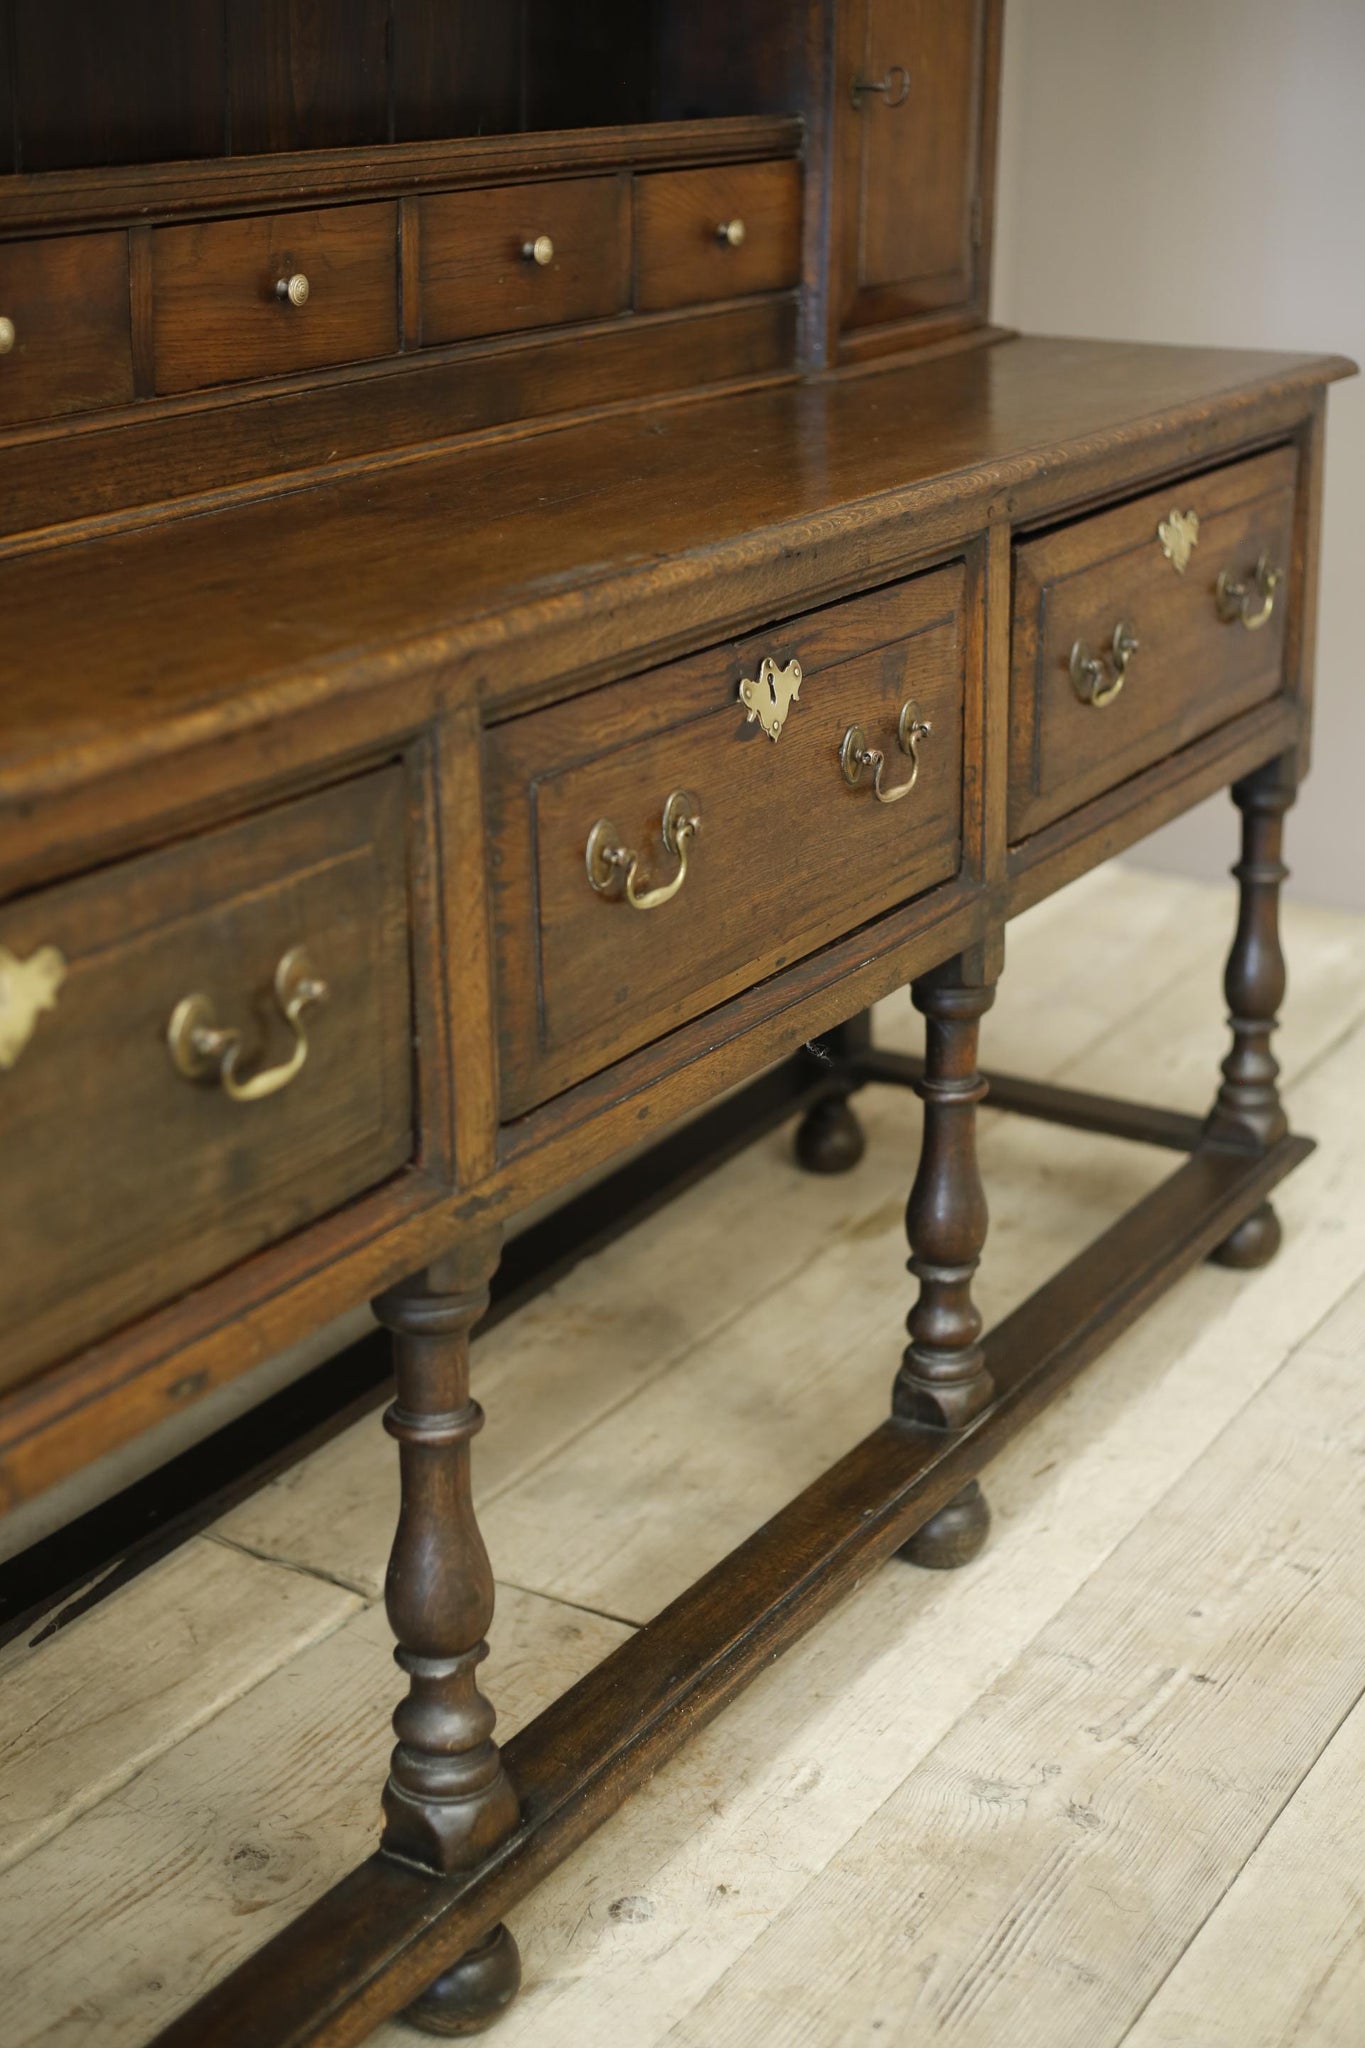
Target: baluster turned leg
[[448, 1802], [1248, 1111], [943, 1379], [829, 1137]]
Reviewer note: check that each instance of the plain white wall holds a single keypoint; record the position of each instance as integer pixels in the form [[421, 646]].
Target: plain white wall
[[1194, 170]]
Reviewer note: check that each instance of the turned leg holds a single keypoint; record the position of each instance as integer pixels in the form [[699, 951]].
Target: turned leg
[[1248, 1112], [829, 1137], [943, 1380], [448, 1801]]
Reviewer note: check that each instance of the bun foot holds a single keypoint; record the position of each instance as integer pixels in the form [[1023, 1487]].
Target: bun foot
[[829, 1138], [954, 1536], [1253, 1243], [473, 1992]]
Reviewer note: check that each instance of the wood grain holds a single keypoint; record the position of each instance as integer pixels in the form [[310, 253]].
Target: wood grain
[[101, 1700], [218, 318], [68, 301], [166, 1182], [241, 1824], [1191, 671], [753, 900], [1061, 1846], [680, 259], [307, 74], [476, 278]]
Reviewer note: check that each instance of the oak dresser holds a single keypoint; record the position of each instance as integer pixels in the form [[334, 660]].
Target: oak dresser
[[533, 592]]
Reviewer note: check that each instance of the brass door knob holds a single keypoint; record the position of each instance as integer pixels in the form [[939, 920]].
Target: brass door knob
[[7, 335], [541, 251], [293, 290], [732, 233]]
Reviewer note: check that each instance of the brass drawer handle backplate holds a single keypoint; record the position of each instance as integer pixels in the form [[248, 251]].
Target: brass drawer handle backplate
[[27, 988], [1089, 677], [855, 755], [1253, 608], [614, 869], [201, 1050]]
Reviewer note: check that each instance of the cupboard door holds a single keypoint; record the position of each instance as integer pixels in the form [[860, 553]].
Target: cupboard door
[[915, 91]]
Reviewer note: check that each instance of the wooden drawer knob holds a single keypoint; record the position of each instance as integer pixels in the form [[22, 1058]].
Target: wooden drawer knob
[[732, 233], [202, 1050], [293, 291], [541, 251], [7, 334]]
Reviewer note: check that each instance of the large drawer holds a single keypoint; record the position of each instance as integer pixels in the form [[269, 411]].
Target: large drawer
[[128, 1182], [788, 853], [272, 295], [1141, 628], [66, 338]]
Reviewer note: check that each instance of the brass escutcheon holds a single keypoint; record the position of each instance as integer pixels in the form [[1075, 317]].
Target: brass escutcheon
[[27, 988], [202, 1050], [1179, 537], [770, 697]]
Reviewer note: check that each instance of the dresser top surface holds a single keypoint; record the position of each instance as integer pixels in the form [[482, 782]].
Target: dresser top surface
[[493, 568]]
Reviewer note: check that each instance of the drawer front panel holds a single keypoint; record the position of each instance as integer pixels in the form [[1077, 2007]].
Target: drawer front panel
[[68, 345], [218, 314], [1192, 668], [138, 1183], [682, 256], [478, 266], [788, 854]]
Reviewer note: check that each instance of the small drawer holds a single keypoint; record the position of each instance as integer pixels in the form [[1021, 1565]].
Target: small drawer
[[789, 853], [523, 256], [278, 293], [1139, 630], [66, 343], [130, 1182], [716, 233]]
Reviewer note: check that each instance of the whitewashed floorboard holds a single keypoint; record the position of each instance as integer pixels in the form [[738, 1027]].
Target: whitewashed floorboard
[[1043, 1870], [89, 1708], [146, 1900]]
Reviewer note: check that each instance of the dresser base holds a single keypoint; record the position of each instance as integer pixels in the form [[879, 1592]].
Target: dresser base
[[376, 1941]]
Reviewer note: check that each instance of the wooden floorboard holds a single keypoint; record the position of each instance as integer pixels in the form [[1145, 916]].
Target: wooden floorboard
[[179, 1838], [1050, 1862]]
